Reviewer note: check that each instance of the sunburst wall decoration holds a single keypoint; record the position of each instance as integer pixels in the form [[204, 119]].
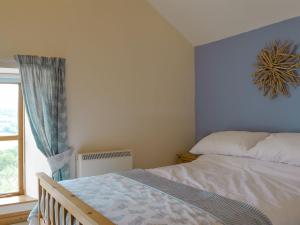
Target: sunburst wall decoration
[[277, 69]]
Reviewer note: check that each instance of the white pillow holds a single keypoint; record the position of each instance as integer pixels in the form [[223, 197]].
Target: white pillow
[[278, 147], [235, 143]]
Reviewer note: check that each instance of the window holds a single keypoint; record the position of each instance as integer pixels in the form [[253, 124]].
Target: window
[[11, 134]]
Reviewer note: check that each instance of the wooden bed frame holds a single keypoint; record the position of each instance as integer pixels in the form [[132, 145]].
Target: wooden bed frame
[[59, 202]]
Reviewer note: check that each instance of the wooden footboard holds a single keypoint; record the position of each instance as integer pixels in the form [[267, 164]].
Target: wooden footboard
[[63, 207]]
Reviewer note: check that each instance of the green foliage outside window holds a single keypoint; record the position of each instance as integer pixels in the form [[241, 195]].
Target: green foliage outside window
[[9, 170]]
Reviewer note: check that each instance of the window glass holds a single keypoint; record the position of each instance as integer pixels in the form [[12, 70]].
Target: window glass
[[8, 109]]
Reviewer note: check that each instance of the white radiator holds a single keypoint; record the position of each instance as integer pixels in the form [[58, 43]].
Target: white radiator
[[97, 163]]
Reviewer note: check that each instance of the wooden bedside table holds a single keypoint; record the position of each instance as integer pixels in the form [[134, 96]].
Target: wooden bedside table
[[186, 157]]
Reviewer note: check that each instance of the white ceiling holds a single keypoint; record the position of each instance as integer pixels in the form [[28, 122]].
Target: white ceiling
[[203, 21]]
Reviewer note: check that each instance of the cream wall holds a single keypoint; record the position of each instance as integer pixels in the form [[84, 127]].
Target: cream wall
[[130, 75]]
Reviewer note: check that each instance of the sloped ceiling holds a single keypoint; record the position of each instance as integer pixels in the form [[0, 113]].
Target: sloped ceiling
[[204, 21]]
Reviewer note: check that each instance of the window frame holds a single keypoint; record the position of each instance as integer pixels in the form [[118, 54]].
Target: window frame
[[20, 138]]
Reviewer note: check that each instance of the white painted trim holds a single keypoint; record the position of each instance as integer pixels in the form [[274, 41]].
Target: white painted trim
[[9, 75]]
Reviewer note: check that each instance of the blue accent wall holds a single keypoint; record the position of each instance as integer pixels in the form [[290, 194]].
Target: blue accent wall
[[226, 98]]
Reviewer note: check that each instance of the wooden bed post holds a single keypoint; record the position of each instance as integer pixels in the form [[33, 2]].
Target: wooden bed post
[[60, 204]]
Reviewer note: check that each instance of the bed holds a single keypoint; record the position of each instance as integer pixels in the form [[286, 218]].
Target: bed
[[212, 190]]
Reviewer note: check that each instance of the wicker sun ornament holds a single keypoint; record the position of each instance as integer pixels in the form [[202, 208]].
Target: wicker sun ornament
[[277, 66]]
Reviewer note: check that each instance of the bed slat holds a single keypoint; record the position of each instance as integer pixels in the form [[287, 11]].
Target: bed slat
[[57, 213], [51, 207], [63, 216]]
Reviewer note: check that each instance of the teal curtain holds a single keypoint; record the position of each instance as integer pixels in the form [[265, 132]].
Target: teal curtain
[[43, 85]]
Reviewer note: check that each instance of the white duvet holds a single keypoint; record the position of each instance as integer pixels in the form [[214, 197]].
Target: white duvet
[[273, 188]]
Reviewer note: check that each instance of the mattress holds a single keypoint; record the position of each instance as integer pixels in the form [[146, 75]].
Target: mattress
[[273, 188]]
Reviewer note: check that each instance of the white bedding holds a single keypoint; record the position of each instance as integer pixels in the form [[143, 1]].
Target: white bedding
[[273, 188]]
